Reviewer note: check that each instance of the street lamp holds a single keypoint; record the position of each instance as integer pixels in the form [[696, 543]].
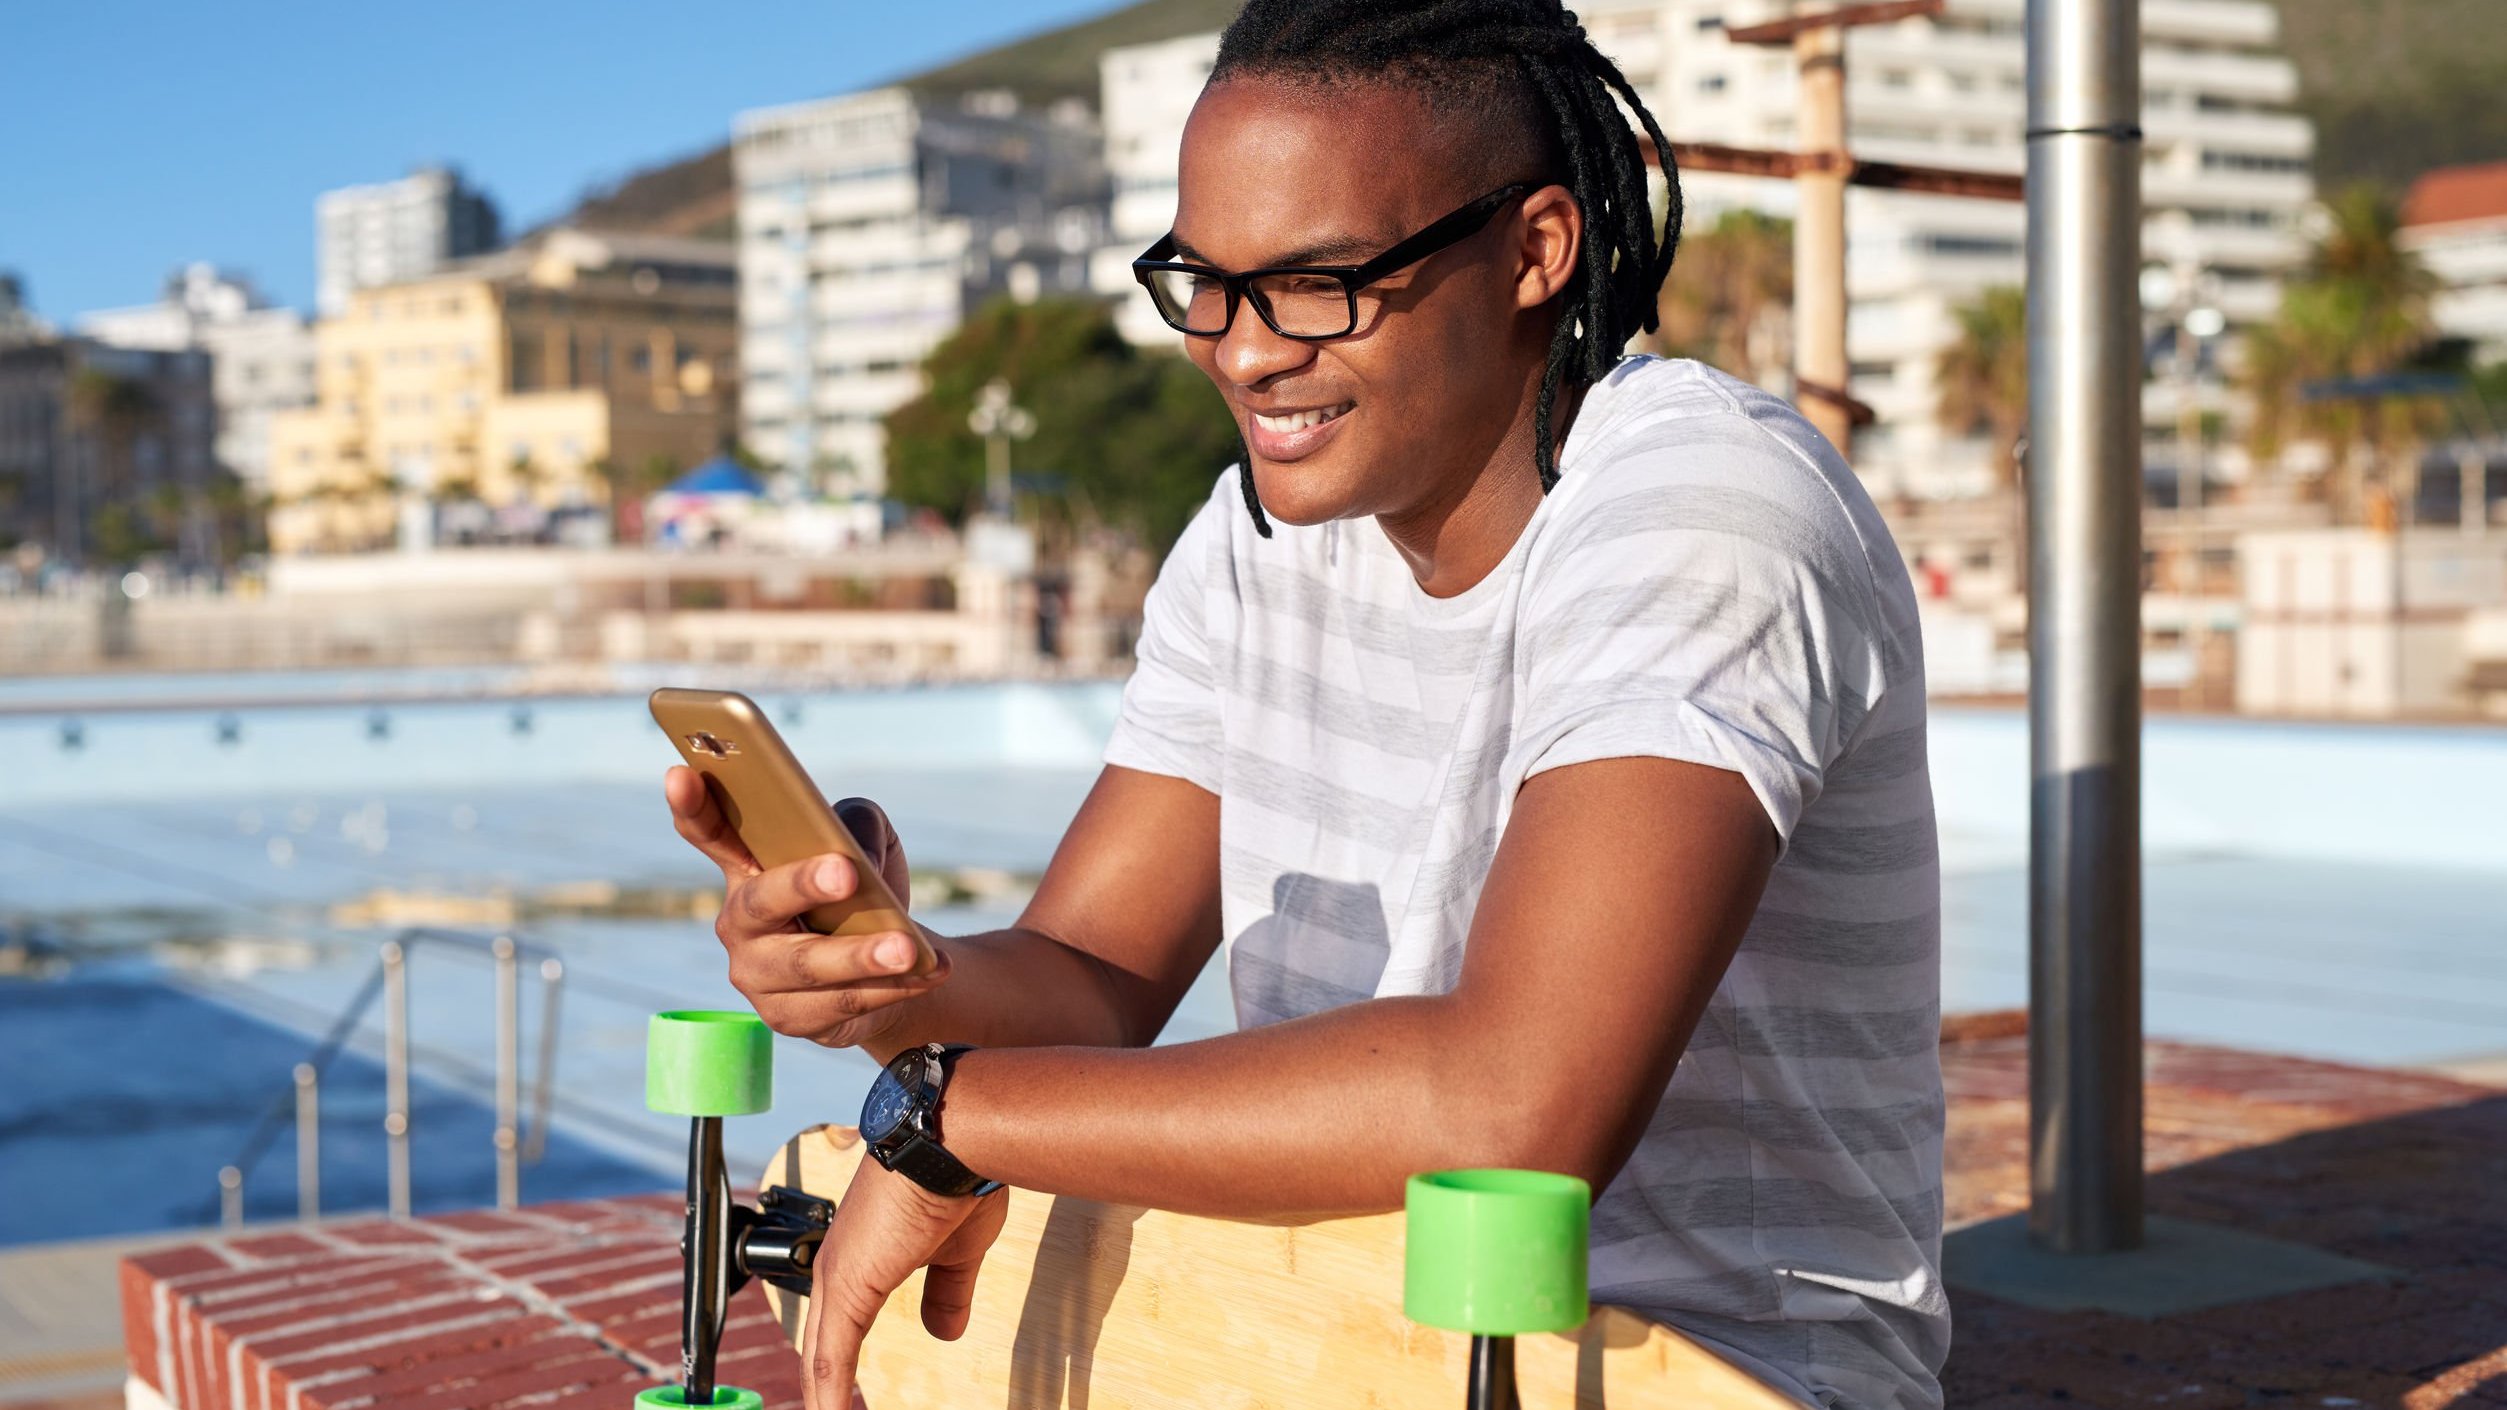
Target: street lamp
[[999, 423], [2185, 298]]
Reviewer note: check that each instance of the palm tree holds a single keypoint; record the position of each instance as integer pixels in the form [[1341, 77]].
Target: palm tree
[[114, 411], [1729, 299], [1981, 380], [2361, 308]]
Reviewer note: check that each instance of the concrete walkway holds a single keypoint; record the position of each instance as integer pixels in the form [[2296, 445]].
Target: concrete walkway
[[2399, 1169], [61, 1322]]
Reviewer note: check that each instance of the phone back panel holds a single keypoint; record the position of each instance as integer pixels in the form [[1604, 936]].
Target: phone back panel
[[768, 799]]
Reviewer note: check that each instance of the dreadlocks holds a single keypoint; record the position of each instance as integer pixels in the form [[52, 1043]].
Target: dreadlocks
[[1526, 62]]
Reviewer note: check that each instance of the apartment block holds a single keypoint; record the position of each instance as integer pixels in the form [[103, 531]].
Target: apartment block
[[871, 225], [261, 356], [2455, 220], [2225, 180], [511, 380], [395, 230], [105, 452]]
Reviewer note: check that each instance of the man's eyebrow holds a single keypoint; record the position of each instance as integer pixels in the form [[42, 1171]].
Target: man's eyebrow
[[1347, 249]]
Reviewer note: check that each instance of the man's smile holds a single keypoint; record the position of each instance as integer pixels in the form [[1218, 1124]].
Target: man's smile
[[1290, 435]]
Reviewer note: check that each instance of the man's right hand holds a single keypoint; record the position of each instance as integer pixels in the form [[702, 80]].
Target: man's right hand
[[842, 991]]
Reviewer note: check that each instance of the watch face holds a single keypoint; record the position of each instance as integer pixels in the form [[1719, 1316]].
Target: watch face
[[885, 1109]]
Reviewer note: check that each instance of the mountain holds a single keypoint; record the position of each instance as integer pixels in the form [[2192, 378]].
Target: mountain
[[2395, 87], [2398, 86], [693, 195]]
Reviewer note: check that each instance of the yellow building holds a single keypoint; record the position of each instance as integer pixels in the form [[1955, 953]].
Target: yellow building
[[506, 379]]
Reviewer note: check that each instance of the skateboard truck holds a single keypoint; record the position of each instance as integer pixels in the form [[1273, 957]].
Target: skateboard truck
[[705, 1066], [1495, 1253]]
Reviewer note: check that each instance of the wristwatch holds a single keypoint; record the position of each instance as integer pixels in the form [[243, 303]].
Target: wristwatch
[[901, 1121]]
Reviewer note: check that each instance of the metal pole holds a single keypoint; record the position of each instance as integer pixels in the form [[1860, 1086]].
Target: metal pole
[[308, 1143], [1492, 1383], [396, 1074], [544, 1074], [705, 1288], [508, 1071], [2084, 624], [1819, 356], [230, 1197]]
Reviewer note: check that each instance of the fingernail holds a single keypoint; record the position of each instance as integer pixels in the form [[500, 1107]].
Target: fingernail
[[895, 952], [830, 873]]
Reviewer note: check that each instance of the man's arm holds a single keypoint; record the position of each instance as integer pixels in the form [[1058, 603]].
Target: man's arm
[[1125, 918], [1615, 902]]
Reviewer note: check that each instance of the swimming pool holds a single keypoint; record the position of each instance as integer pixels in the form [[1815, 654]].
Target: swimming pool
[[2336, 891]]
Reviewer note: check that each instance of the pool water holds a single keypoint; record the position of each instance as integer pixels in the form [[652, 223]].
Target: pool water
[[2328, 891]]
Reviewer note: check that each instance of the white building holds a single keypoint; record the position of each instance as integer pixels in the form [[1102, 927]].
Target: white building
[[262, 356], [2225, 179], [2455, 219], [1148, 91], [18, 322], [396, 230], [871, 225], [2366, 623]]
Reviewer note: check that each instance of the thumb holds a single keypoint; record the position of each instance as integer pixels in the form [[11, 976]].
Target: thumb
[[869, 824]]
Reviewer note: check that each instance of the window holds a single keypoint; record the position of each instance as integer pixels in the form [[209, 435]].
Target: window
[[1712, 83], [1967, 246], [2252, 161]]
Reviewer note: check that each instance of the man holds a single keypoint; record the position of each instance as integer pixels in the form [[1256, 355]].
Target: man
[[1542, 734]]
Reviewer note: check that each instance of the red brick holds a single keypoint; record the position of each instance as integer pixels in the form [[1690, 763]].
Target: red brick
[[424, 1341], [139, 1322], [177, 1262], [407, 1375], [380, 1233], [651, 1270], [434, 1331], [592, 1369], [278, 1318], [492, 1222], [266, 1246]]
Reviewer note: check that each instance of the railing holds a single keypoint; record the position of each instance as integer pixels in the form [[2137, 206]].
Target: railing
[[389, 981]]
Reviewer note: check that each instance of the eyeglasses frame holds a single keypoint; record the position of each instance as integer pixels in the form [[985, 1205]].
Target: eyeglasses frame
[[1436, 237]]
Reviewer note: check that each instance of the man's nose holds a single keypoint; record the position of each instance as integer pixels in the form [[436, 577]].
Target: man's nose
[[1249, 351]]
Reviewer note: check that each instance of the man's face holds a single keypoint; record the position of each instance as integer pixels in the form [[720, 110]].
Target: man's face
[[1428, 384]]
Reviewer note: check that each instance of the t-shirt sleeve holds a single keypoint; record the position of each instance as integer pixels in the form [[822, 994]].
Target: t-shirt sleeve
[[1169, 721], [1681, 616]]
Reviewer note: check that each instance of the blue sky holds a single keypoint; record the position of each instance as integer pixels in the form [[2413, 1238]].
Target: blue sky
[[135, 137]]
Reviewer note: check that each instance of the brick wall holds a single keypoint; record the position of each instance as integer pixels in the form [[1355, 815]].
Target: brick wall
[[558, 1306]]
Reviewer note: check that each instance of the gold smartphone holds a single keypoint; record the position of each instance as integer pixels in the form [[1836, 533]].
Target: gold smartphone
[[769, 799]]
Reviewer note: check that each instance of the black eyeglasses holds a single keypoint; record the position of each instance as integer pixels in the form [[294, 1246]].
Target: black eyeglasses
[[1309, 302]]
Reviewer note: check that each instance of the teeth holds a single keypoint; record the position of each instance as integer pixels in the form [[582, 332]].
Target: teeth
[[1301, 420]]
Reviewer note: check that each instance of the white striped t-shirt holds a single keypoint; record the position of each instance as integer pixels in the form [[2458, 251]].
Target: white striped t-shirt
[[1707, 582]]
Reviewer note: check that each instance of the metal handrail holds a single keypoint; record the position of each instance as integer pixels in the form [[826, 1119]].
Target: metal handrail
[[389, 980]]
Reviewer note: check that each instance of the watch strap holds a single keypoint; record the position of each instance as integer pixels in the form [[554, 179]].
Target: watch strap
[[920, 1156]]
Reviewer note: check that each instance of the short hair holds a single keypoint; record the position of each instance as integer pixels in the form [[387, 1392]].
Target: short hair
[[1528, 64]]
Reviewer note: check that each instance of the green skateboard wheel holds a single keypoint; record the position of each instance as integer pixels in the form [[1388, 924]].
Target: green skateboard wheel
[[699, 1062], [1496, 1252], [725, 1398]]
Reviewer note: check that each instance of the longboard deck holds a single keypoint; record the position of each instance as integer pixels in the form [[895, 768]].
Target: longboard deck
[[1107, 1307]]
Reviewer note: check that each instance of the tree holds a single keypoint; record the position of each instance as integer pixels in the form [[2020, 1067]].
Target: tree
[[1981, 378], [1981, 381], [1134, 437], [1729, 299], [114, 412], [2361, 308]]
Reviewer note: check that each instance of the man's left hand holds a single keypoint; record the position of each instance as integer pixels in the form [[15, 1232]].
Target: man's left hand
[[887, 1227]]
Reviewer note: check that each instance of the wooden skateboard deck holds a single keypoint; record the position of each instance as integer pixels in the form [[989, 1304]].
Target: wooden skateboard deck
[[1106, 1307]]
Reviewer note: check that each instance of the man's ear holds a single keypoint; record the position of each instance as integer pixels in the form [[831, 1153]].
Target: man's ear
[[1553, 242]]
